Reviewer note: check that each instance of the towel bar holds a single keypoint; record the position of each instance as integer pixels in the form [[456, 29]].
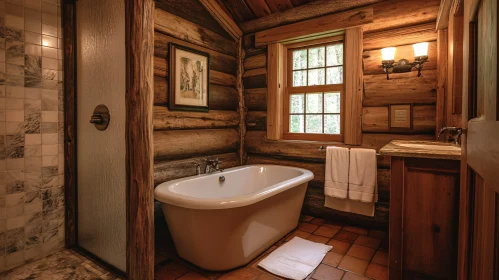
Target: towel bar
[[323, 149]]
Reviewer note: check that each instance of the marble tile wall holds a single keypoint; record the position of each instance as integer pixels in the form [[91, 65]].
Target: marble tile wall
[[31, 131]]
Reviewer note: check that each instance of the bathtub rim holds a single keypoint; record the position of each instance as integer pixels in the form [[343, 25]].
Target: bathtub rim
[[163, 194]]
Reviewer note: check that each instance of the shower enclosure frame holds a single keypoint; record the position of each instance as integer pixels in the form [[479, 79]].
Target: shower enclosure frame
[[139, 32]]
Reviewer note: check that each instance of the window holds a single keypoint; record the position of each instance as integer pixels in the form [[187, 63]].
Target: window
[[314, 95]]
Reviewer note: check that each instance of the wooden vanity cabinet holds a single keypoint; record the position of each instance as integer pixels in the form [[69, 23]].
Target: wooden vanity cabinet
[[424, 197]]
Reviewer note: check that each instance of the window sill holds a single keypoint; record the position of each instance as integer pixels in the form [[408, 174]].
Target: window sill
[[309, 137]]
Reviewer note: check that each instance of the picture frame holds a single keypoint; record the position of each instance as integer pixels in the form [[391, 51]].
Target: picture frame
[[400, 117], [189, 77]]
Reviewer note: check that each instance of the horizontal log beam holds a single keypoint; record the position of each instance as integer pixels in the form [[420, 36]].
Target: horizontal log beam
[[216, 77], [255, 78], [304, 12], [395, 13], [256, 120], [375, 119], [400, 36], [256, 99], [321, 26], [221, 97], [175, 169], [401, 88], [372, 59], [183, 29], [180, 144], [254, 62], [193, 11], [257, 143], [218, 61], [165, 119]]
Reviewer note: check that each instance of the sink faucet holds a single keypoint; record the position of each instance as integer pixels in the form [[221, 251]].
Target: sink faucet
[[455, 133], [212, 165]]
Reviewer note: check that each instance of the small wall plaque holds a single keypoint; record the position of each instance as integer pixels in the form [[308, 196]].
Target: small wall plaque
[[400, 116]]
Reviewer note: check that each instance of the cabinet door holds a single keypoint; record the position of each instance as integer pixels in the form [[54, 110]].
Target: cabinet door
[[427, 231]]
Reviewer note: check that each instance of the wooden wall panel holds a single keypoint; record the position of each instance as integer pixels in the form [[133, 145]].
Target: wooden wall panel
[[183, 138], [401, 88], [180, 144], [176, 169], [183, 29]]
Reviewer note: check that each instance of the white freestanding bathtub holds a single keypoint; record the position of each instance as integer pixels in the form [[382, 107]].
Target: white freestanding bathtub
[[222, 225]]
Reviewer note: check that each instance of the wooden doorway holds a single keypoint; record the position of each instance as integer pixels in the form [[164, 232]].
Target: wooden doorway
[[139, 48], [479, 212]]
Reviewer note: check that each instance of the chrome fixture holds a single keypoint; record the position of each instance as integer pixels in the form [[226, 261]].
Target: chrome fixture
[[198, 168], [221, 179], [212, 165], [403, 65], [454, 133], [101, 117]]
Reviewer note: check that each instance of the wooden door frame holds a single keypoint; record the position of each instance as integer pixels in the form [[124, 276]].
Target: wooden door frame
[[139, 38]]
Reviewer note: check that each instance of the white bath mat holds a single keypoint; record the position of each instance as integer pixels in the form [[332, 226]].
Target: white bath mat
[[296, 259]]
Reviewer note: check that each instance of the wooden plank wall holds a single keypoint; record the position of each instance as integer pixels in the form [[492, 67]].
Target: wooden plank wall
[[418, 25], [182, 139]]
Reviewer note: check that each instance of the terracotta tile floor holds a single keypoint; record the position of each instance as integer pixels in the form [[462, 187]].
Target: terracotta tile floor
[[357, 253], [66, 264]]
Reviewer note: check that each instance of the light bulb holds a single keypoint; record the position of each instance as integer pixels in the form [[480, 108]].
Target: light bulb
[[388, 53], [420, 49]]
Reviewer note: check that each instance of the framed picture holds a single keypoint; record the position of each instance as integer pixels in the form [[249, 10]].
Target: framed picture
[[189, 79], [400, 116]]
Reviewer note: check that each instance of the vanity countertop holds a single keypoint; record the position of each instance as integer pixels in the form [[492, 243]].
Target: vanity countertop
[[422, 149]]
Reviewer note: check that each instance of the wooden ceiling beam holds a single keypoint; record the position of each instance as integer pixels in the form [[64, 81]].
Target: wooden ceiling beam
[[224, 19], [304, 12], [321, 26]]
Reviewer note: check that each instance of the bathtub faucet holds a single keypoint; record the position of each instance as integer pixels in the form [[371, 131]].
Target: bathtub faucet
[[212, 165]]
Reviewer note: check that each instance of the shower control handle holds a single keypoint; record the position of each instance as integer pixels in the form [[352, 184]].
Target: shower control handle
[[101, 117], [96, 119]]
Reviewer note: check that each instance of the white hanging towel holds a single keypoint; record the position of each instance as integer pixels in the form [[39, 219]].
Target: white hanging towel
[[362, 175], [336, 181], [296, 259]]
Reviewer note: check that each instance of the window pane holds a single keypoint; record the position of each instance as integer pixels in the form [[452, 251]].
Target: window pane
[[296, 123], [296, 103], [314, 123], [315, 77], [299, 59], [335, 55], [334, 75], [316, 57], [299, 78], [331, 124], [332, 102], [314, 102]]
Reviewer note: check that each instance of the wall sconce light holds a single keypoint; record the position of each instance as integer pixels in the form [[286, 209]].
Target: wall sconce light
[[403, 65]]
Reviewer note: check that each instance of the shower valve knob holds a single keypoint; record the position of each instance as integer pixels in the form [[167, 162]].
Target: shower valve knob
[[100, 117], [96, 119]]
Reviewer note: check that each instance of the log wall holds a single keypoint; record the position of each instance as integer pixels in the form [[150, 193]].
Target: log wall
[[182, 139], [379, 93]]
